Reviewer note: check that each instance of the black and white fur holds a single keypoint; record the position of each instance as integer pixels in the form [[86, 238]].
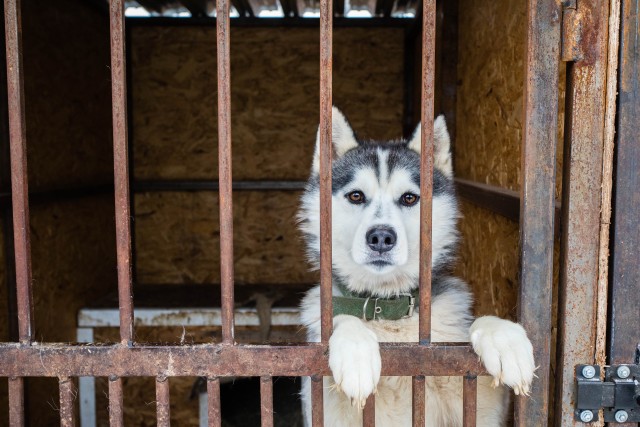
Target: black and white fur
[[383, 173]]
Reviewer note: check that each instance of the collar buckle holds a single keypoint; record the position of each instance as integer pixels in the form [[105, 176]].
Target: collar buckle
[[412, 305], [376, 309]]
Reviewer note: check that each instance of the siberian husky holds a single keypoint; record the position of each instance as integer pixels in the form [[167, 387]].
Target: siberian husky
[[376, 223]]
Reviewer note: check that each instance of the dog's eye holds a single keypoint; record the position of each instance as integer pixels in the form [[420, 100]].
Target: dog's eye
[[409, 199], [356, 197]]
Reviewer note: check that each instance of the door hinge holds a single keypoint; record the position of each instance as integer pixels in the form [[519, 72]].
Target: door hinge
[[571, 31], [618, 395]]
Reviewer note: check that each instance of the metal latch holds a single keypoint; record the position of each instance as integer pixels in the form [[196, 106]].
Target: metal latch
[[618, 394]]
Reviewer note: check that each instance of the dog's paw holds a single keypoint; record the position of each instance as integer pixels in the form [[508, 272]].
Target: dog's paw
[[354, 359], [505, 351]]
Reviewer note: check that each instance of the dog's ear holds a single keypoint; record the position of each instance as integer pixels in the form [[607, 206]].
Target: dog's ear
[[441, 147], [342, 137]]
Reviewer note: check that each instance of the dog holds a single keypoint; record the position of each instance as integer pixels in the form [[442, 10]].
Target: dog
[[375, 244]]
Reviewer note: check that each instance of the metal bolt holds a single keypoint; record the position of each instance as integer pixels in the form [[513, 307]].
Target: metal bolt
[[623, 371], [622, 416], [586, 416], [589, 372]]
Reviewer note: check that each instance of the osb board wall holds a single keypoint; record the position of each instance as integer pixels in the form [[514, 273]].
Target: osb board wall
[[491, 93], [274, 97], [274, 87], [68, 94], [177, 238]]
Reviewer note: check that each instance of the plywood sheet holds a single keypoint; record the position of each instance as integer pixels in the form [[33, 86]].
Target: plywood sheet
[[177, 238], [274, 97]]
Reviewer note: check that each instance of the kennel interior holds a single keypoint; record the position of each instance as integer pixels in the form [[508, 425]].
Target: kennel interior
[[171, 80]]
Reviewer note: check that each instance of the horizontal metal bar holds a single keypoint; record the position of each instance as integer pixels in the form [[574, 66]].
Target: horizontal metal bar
[[220, 360], [272, 22], [60, 194], [501, 201], [210, 185]]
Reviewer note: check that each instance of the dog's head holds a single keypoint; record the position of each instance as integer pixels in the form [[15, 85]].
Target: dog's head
[[376, 209]]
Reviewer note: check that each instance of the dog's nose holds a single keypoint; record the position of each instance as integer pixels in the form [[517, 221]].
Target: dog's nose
[[381, 239]]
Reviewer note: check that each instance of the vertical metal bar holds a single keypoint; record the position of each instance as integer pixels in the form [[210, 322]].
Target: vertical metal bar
[[224, 170], [469, 400], [418, 392], [115, 402], [581, 184], [20, 196], [317, 401], [326, 150], [16, 402], [537, 198], [625, 279], [86, 386], [266, 401], [6, 210], [19, 176], [121, 168], [426, 166], [67, 396], [213, 396], [163, 407], [369, 412]]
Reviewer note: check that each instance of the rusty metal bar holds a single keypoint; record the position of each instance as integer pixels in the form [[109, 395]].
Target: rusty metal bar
[[625, 278], [213, 402], [317, 401], [67, 396], [16, 402], [326, 150], [369, 412], [224, 167], [116, 418], [418, 393], [426, 166], [163, 406], [19, 176], [220, 360], [266, 401], [581, 184], [121, 168], [469, 400], [540, 132]]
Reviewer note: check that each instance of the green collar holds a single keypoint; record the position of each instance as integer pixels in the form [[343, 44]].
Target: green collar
[[370, 308]]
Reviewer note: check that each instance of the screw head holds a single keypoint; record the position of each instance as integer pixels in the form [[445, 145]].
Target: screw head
[[623, 371], [588, 371], [586, 416], [622, 416]]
